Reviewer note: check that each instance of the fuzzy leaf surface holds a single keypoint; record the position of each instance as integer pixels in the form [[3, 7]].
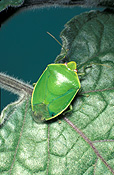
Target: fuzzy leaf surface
[[7, 3]]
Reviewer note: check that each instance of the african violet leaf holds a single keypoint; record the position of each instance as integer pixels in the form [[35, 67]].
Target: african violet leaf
[[46, 3], [7, 3], [83, 141]]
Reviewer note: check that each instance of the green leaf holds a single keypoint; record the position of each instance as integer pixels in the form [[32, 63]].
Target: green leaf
[[83, 143], [7, 3]]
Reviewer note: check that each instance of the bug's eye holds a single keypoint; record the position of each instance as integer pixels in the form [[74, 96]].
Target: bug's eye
[[65, 63], [75, 70]]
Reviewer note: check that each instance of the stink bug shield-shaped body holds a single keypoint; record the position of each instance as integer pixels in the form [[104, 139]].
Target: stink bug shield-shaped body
[[55, 90]]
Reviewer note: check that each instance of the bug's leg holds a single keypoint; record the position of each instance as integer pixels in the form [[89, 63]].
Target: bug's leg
[[59, 122], [34, 84], [90, 65], [71, 108], [84, 69], [85, 95]]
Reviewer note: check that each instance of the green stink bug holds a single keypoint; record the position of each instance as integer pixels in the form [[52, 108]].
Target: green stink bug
[[55, 90]]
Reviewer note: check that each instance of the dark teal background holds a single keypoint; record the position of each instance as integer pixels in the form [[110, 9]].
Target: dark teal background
[[26, 48]]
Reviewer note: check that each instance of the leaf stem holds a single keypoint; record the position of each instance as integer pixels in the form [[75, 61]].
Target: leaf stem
[[16, 86]]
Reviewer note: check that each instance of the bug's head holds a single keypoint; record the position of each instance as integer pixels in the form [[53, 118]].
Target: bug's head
[[72, 65]]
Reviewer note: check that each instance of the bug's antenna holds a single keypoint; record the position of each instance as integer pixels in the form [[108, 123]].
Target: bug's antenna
[[57, 41]]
